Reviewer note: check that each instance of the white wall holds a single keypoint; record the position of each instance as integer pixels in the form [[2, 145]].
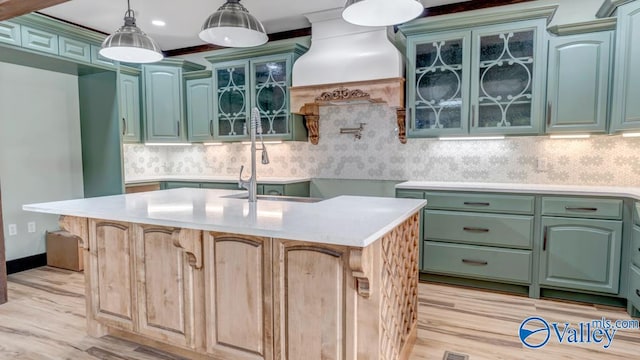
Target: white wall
[[40, 152]]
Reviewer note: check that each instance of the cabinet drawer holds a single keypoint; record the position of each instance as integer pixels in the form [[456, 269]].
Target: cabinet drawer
[[180, 184], [39, 40], [513, 204], [481, 229], [634, 286], [410, 194], [74, 49], [635, 246], [216, 185], [582, 207], [10, 33], [478, 262]]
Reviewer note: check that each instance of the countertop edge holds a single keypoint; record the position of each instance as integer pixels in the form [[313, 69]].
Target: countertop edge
[[221, 179]]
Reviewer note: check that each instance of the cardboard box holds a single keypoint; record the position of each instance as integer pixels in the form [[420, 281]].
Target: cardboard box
[[64, 251]]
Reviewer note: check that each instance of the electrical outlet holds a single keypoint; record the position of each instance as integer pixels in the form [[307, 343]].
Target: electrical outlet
[[13, 229], [31, 226], [542, 165]]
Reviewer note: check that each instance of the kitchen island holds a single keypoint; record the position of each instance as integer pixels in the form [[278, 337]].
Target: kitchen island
[[207, 275]]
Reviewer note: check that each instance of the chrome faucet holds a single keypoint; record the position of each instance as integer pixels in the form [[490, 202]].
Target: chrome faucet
[[252, 184]]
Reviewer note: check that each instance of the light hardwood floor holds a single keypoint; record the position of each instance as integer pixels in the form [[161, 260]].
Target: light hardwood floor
[[44, 319]]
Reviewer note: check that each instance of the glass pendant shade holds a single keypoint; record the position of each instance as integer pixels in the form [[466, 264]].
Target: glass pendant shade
[[381, 12], [130, 44], [233, 26]]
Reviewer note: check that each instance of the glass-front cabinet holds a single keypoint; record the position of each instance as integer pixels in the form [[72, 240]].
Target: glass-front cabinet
[[242, 85], [487, 80]]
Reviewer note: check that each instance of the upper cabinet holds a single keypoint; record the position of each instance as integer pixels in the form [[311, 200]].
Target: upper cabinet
[[625, 114], [578, 81], [129, 90], [255, 78], [163, 100], [199, 103], [484, 80]]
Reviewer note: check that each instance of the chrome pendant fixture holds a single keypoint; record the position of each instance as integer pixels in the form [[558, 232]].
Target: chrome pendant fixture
[[130, 44], [233, 26], [381, 12]]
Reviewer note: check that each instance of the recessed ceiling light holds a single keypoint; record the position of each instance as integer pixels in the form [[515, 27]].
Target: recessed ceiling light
[[158, 23]]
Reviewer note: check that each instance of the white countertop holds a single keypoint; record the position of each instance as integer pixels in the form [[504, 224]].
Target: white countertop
[[226, 179], [344, 220], [615, 191]]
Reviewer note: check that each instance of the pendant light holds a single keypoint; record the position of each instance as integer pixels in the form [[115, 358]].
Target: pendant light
[[381, 12], [233, 26], [130, 44]]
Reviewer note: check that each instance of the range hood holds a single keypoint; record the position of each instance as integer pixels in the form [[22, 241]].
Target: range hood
[[346, 64]]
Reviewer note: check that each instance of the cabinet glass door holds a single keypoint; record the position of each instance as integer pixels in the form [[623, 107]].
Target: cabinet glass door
[[438, 84], [231, 99], [506, 86], [271, 93]]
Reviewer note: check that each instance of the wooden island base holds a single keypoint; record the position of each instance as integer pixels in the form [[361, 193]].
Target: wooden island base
[[209, 295]]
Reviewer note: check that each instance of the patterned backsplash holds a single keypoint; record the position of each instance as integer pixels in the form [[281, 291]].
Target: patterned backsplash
[[600, 160]]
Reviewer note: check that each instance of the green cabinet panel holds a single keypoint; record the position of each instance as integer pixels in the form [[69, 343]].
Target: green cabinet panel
[[39, 40], [98, 59], [74, 49], [479, 262], [635, 246], [180, 184], [636, 213], [578, 83], [512, 231], [625, 112], [10, 33], [508, 77], [410, 194], [217, 185], [582, 254], [513, 204], [130, 107], [199, 102], [270, 189], [164, 118], [634, 287], [582, 207]]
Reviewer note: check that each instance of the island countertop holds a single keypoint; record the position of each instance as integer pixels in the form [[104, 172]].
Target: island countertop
[[344, 220]]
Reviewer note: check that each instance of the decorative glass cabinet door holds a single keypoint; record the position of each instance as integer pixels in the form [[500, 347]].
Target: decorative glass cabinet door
[[270, 93], [506, 86], [438, 84], [231, 102]]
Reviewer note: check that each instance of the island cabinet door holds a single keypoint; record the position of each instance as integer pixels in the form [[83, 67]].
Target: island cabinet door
[[313, 302], [112, 275], [169, 289], [239, 316]]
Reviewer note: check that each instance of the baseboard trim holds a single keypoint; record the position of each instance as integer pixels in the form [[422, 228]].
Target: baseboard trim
[[26, 263]]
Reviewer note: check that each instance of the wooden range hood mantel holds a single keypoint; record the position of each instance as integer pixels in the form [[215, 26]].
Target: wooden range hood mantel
[[306, 100]]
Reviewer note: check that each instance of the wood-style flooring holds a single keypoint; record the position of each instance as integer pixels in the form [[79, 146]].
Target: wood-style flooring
[[44, 319]]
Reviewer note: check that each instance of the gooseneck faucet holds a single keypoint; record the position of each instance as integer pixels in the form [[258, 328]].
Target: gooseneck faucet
[[252, 184]]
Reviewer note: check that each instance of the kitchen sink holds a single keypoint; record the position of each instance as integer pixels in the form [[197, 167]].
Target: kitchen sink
[[276, 198]]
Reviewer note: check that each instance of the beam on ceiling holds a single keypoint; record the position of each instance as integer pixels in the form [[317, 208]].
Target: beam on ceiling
[[12, 8]]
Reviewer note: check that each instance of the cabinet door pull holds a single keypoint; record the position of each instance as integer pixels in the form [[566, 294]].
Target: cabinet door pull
[[549, 113], [475, 262], [124, 127], [211, 127], [544, 240], [638, 292], [589, 209], [473, 116], [475, 229], [178, 122], [471, 203]]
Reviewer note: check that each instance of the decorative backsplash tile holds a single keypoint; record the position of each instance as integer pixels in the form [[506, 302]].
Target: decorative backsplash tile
[[600, 160]]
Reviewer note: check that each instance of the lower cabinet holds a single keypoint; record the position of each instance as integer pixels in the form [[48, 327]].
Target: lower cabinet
[[634, 287], [582, 254], [291, 189]]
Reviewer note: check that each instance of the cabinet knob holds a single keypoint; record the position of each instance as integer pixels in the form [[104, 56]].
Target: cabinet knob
[[638, 292], [544, 241], [124, 127]]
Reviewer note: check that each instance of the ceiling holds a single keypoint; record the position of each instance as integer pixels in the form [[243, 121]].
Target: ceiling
[[184, 18]]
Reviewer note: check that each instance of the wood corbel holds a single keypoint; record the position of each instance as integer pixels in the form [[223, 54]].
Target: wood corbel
[[76, 226], [311, 112], [190, 241], [401, 117], [360, 270]]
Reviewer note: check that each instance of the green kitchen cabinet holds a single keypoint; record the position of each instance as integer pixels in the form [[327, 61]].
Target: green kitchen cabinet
[[581, 254], [164, 100], [219, 185], [39, 40], [255, 78], [74, 49], [130, 106], [179, 184], [484, 80], [10, 33], [625, 112], [578, 83], [199, 103]]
